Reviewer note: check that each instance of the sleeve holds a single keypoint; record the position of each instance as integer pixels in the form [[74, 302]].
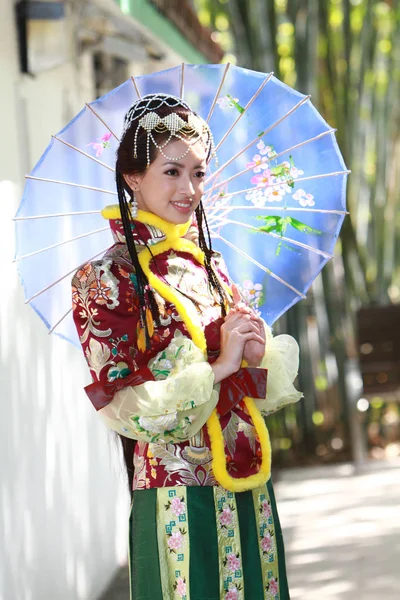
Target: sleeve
[[165, 398], [281, 359]]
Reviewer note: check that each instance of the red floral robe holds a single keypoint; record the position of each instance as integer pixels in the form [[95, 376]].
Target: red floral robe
[[106, 308]]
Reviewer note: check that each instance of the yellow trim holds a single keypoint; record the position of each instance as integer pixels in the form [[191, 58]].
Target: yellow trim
[[190, 317], [111, 212], [187, 311], [239, 484], [171, 230]]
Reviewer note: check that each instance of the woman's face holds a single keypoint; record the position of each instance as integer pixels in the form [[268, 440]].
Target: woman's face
[[171, 189]]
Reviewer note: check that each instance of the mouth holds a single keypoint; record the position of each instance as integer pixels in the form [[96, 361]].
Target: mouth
[[182, 207]]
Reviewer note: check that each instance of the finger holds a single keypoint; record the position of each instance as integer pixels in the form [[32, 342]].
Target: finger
[[242, 307], [236, 294], [236, 316], [249, 326], [252, 336], [262, 328]]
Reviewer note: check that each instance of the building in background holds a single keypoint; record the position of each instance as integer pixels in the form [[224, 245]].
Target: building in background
[[64, 505]]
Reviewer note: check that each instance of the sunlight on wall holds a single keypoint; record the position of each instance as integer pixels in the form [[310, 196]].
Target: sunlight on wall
[[64, 505]]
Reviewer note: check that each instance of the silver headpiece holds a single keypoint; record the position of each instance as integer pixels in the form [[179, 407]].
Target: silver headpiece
[[190, 131]]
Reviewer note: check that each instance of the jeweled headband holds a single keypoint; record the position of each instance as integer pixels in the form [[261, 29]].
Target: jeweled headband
[[190, 131]]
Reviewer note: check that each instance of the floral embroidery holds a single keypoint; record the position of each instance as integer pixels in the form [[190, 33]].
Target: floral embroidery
[[265, 509], [267, 543], [272, 587], [229, 549], [178, 506], [225, 517], [184, 465], [173, 539], [98, 355], [233, 593], [84, 285], [180, 587], [101, 144], [163, 428], [233, 562], [118, 371]]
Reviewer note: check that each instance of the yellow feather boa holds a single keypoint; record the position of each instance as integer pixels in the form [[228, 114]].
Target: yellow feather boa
[[188, 313]]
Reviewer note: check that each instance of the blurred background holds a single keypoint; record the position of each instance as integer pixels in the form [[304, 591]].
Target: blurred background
[[64, 506]]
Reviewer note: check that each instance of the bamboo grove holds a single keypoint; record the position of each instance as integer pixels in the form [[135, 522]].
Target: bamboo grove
[[346, 54]]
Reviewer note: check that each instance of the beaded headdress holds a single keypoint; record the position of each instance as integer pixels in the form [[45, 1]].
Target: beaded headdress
[[191, 131]]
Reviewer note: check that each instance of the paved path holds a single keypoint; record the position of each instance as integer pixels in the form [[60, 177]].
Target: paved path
[[342, 531]]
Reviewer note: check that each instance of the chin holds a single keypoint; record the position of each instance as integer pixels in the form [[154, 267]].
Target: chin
[[178, 218]]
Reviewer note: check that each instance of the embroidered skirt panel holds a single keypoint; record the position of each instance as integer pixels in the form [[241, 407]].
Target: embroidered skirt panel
[[205, 543]]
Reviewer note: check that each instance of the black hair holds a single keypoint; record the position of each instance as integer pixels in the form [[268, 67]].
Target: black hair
[[127, 163]]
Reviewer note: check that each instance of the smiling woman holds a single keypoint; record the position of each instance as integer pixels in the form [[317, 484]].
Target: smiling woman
[[177, 360], [169, 189]]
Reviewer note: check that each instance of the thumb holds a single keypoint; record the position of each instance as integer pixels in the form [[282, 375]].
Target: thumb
[[236, 294]]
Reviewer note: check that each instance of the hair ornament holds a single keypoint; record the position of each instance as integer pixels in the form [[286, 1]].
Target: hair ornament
[[193, 130]]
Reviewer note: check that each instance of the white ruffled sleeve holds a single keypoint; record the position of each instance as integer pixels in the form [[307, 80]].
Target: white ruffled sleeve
[[282, 361], [175, 406]]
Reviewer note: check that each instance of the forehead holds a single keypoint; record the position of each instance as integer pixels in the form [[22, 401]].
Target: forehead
[[197, 153]]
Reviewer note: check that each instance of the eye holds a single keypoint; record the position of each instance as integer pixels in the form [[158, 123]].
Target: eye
[[200, 174], [172, 172]]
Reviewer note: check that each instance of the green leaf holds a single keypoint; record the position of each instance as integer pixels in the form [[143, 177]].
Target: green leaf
[[235, 104], [302, 227]]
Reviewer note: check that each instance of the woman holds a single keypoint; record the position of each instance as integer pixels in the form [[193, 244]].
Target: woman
[[180, 372]]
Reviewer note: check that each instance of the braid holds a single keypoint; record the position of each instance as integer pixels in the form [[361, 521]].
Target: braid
[[143, 288], [208, 252]]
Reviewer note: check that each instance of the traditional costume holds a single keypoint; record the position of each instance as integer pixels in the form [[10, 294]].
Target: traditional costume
[[204, 524]]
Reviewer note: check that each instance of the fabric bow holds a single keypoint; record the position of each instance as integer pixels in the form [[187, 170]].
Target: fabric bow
[[100, 394], [248, 382]]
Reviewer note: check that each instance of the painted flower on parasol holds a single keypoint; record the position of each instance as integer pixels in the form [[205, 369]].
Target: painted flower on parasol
[[275, 202]]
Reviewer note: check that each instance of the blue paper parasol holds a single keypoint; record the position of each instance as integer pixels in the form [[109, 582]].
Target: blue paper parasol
[[275, 203]]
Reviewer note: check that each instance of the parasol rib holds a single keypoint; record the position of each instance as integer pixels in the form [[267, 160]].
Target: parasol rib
[[60, 321], [79, 185], [136, 87], [304, 143], [71, 214], [226, 210], [250, 102], [82, 152], [48, 287], [218, 91], [258, 138], [78, 237], [100, 119], [277, 236], [255, 262], [182, 89]]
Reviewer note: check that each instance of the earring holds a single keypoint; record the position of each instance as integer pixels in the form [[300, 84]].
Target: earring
[[134, 206]]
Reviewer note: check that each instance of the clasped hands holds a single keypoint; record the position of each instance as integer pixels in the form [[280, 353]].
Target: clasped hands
[[245, 329]]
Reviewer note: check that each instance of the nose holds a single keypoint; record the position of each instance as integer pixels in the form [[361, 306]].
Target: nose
[[187, 187]]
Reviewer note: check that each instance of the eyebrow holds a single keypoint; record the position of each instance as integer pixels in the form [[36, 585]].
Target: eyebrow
[[176, 164]]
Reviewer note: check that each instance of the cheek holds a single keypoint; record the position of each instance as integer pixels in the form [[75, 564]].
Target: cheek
[[199, 186]]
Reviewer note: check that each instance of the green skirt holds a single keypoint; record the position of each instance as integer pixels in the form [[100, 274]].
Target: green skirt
[[205, 543]]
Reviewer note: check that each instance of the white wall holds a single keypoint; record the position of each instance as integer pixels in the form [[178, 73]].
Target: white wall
[[63, 502]]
